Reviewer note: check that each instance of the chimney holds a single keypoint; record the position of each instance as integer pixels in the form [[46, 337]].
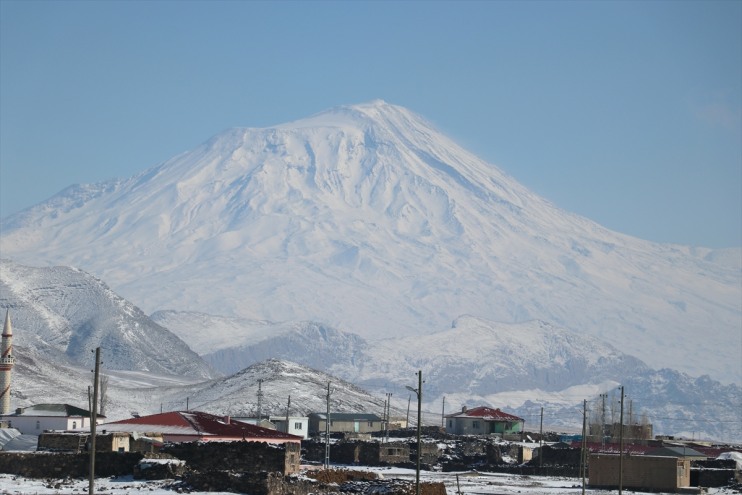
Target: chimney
[[463, 409], [227, 420]]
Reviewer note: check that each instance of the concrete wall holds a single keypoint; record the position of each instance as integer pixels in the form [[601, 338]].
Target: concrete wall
[[640, 472]]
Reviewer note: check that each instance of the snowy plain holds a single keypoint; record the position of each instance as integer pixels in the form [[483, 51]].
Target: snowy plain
[[464, 482]]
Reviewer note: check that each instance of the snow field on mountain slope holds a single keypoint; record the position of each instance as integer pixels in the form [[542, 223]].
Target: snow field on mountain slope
[[368, 219]]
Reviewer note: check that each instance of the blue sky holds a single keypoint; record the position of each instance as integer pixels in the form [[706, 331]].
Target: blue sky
[[629, 113]]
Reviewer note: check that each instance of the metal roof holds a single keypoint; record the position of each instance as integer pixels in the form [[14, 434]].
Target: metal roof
[[195, 423], [60, 410], [348, 416], [486, 414]]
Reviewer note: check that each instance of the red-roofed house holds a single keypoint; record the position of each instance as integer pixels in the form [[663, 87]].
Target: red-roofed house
[[190, 426], [483, 421]]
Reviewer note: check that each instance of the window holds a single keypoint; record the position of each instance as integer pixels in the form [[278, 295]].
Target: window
[[450, 423], [74, 425], [475, 425], [297, 425], [371, 424]]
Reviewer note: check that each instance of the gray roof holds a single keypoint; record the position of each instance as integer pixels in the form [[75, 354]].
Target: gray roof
[[675, 451], [348, 416], [61, 410]]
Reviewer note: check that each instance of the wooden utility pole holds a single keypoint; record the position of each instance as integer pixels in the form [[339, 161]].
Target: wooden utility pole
[[443, 413], [93, 421]]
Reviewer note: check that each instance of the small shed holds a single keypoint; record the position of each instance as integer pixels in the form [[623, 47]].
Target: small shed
[[641, 472]]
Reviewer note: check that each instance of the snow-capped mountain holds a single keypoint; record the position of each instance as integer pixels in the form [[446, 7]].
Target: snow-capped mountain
[[520, 367], [237, 394], [64, 314], [516, 366], [367, 219]]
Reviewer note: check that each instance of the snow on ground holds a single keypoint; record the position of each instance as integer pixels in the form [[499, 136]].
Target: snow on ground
[[474, 483]]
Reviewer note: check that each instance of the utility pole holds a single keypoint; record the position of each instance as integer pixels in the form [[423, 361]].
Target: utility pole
[[583, 454], [260, 399], [388, 412], [620, 452], [327, 430], [288, 408], [443, 413], [419, 426], [93, 421], [409, 398], [602, 426], [541, 441]]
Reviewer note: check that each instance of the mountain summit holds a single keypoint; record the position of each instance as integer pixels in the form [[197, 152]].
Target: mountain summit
[[369, 219]]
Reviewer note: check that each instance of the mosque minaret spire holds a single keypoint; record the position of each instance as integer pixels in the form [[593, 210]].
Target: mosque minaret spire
[[6, 364]]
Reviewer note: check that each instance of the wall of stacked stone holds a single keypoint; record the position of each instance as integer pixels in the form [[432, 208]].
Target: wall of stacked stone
[[713, 474], [313, 450], [253, 483], [238, 456], [343, 453], [44, 465], [430, 453], [75, 442], [389, 453]]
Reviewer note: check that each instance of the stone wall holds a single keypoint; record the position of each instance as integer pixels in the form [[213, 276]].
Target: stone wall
[[76, 442], [45, 465], [238, 456]]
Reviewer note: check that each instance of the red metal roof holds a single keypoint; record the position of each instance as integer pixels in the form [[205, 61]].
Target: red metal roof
[[203, 424], [486, 413]]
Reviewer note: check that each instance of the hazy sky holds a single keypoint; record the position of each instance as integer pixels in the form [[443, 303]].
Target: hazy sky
[[629, 112]]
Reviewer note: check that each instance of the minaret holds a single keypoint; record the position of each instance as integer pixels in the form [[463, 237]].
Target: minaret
[[6, 364]]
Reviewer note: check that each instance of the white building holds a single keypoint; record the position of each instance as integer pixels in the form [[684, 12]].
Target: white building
[[297, 425], [34, 420]]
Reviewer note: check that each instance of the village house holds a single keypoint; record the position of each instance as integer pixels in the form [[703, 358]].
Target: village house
[[190, 426], [295, 425], [483, 421], [640, 472], [34, 420], [344, 423]]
